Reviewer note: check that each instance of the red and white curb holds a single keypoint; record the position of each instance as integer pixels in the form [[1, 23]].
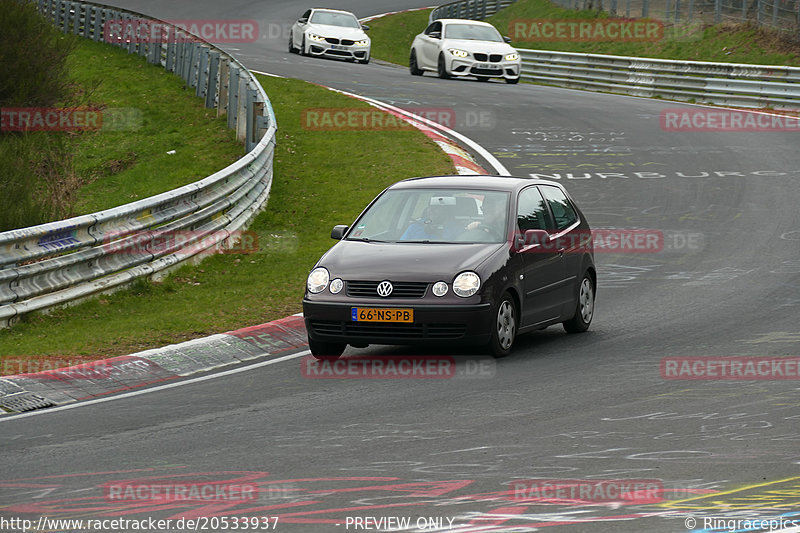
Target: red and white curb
[[26, 392]]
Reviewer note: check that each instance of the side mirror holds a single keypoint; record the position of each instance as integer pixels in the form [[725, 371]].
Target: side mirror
[[435, 35], [339, 231], [365, 27], [506, 38], [532, 237]]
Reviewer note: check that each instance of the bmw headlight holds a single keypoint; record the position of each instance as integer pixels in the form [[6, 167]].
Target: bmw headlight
[[317, 280], [362, 42], [466, 284], [458, 53], [315, 37], [512, 57]]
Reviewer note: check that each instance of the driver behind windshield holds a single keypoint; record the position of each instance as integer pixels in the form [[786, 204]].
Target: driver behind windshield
[[436, 223]]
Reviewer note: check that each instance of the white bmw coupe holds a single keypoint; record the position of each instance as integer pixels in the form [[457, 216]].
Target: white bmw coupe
[[331, 33], [458, 47]]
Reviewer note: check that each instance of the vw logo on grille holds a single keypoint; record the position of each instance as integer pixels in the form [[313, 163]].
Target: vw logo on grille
[[385, 288]]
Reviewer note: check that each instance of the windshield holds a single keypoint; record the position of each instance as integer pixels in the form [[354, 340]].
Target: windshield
[[332, 18], [473, 32], [435, 216]]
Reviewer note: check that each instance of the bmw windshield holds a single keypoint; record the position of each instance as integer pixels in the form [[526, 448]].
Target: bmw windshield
[[435, 216]]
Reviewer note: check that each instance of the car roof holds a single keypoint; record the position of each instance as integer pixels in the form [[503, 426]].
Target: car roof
[[498, 183], [330, 9]]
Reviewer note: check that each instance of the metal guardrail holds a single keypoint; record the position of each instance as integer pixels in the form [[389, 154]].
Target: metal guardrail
[[61, 262], [703, 82], [468, 9]]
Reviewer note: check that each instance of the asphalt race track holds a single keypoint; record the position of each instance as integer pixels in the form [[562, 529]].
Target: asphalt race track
[[330, 455]]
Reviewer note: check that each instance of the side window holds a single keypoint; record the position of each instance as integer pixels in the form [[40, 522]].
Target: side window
[[435, 26], [306, 15], [562, 209], [531, 211]]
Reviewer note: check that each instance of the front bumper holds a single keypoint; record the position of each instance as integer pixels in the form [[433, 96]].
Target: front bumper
[[433, 324], [342, 51], [471, 67]]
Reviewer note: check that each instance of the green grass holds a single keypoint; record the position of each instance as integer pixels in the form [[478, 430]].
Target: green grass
[[392, 35], [119, 167], [722, 43], [98, 169], [311, 192]]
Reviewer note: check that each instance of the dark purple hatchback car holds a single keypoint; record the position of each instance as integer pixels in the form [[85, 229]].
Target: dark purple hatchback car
[[454, 259]]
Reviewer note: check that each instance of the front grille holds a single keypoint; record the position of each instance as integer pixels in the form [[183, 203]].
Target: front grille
[[332, 40], [377, 330], [480, 56], [495, 58], [348, 42], [402, 289], [343, 53], [486, 71]]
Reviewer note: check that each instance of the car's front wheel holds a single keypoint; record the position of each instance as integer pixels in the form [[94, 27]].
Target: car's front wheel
[[512, 81], [326, 350], [504, 327], [364, 61], [303, 51], [584, 309], [441, 68], [413, 66]]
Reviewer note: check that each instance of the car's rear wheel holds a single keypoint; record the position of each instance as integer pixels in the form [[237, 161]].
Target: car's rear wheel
[[326, 350], [512, 81], [413, 67], [504, 327], [292, 49], [441, 68], [584, 309]]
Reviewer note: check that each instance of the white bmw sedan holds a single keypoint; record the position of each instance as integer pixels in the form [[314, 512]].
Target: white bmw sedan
[[458, 47], [330, 33]]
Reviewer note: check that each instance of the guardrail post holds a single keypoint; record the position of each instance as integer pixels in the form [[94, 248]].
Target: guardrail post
[[170, 61], [202, 72], [213, 83], [241, 111], [250, 126], [224, 84], [233, 97], [645, 8], [744, 10]]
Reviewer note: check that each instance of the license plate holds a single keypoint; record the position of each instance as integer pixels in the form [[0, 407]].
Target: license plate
[[483, 65], [338, 47], [367, 314]]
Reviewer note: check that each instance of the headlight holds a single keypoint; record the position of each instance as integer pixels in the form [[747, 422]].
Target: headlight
[[336, 286], [362, 42], [458, 53], [315, 37], [439, 288], [317, 280], [512, 57], [466, 284]]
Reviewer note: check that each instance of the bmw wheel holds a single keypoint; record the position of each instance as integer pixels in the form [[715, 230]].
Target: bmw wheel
[[412, 64], [512, 81], [584, 309], [442, 68], [504, 327]]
